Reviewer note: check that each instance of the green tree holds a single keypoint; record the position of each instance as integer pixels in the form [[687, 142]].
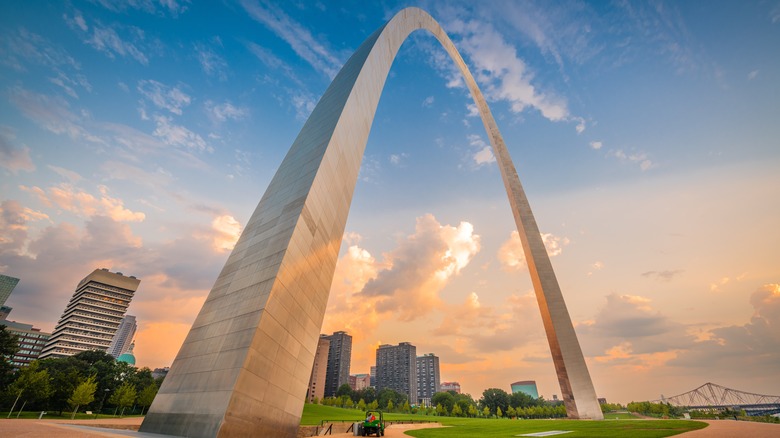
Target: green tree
[[390, 406], [406, 408], [485, 411], [445, 399], [373, 405], [441, 410], [456, 411], [65, 374], [84, 394], [511, 412], [362, 405], [146, 397], [472, 411], [31, 384], [499, 414], [521, 400], [9, 345], [494, 398], [345, 389], [123, 397]]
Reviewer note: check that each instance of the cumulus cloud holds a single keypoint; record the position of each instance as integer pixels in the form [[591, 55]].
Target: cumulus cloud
[[512, 256], [397, 159], [596, 145], [163, 96], [629, 332], [227, 230], [503, 75], [753, 346], [420, 267], [66, 197], [428, 101], [484, 153], [640, 158]]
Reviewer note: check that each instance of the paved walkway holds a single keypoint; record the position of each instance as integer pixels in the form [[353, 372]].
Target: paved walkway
[[735, 429]]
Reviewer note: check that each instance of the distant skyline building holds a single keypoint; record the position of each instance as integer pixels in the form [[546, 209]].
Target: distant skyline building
[[396, 368], [7, 285], [339, 359], [372, 373], [319, 370], [428, 378], [31, 342], [359, 381], [450, 386], [526, 386], [93, 315], [123, 338]]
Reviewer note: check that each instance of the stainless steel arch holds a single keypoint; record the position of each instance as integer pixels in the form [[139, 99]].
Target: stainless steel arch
[[245, 364]]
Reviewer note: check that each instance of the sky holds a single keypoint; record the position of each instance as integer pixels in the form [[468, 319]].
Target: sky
[[139, 136]]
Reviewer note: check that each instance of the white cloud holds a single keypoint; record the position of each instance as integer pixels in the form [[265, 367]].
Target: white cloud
[[71, 176], [69, 198], [227, 230], [163, 96], [596, 145], [298, 37], [752, 75], [503, 75], [512, 256], [428, 101], [484, 153], [177, 135], [225, 111], [640, 158], [397, 159], [52, 113], [211, 63], [108, 41]]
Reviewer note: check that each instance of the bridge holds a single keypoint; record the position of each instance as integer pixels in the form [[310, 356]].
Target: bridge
[[712, 396]]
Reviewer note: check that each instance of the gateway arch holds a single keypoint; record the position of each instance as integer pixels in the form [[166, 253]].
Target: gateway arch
[[244, 367]]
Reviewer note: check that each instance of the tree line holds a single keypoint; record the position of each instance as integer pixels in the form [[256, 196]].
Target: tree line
[[88, 381], [495, 403]]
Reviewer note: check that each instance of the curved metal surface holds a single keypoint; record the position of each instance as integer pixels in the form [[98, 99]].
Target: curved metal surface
[[245, 364]]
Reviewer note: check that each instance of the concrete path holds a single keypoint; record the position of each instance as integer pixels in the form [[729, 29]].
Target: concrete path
[[735, 429]]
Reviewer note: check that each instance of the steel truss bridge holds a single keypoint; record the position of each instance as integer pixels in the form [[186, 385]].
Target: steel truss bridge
[[712, 396]]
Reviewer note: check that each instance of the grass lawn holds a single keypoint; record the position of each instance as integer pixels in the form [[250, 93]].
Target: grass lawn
[[52, 415], [471, 427]]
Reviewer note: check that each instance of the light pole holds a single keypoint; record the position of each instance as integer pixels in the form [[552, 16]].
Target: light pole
[[105, 393]]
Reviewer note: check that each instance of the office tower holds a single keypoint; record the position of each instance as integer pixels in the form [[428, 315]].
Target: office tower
[[526, 386], [319, 370], [123, 337], [396, 368], [428, 378], [373, 376], [339, 358], [31, 342], [7, 285], [93, 314], [450, 386]]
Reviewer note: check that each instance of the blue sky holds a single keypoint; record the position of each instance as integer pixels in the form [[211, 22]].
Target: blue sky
[[140, 135]]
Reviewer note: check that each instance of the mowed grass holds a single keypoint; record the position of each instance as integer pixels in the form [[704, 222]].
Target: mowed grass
[[477, 427]]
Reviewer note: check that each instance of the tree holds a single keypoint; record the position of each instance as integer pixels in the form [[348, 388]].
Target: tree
[[32, 383], [485, 411], [362, 405], [345, 389], [123, 397], [445, 399], [441, 410], [390, 406], [521, 400], [406, 408], [84, 394], [146, 397], [373, 405], [456, 411], [511, 412], [494, 398], [472, 411], [9, 345], [65, 374], [499, 414]]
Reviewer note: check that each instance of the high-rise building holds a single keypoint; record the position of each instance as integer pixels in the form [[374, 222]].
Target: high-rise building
[[428, 378], [450, 386], [396, 368], [7, 285], [123, 337], [31, 342], [319, 370], [93, 314], [373, 376], [339, 358], [526, 386]]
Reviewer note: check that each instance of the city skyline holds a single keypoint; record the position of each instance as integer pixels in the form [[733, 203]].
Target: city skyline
[[643, 134]]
